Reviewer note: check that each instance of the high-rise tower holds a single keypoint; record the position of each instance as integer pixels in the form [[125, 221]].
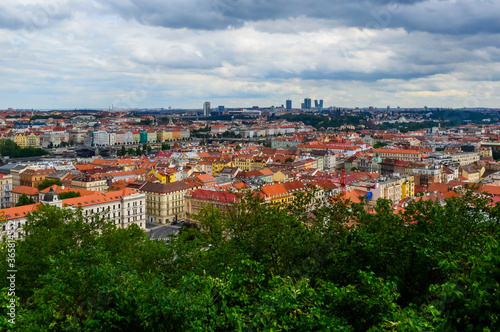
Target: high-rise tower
[[307, 103], [206, 108]]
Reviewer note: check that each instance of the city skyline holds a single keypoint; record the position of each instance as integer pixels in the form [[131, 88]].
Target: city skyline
[[94, 54]]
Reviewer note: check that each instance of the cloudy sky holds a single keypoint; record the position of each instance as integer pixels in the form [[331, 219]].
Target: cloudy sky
[[161, 53]]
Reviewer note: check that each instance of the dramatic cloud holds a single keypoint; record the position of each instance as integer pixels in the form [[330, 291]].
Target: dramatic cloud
[[157, 53]]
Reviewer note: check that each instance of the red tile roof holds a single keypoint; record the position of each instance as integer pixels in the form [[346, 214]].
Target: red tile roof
[[220, 196], [19, 211], [30, 191]]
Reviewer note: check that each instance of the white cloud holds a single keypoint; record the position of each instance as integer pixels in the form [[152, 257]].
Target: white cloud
[[94, 53]]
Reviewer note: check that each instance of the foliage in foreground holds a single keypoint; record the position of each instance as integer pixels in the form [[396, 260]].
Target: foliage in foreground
[[264, 268]]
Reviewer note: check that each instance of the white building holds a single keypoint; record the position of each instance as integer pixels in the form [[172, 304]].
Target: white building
[[112, 138], [120, 138], [128, 138], [54, 137], [100, 138], [5, 188], [124, 208]]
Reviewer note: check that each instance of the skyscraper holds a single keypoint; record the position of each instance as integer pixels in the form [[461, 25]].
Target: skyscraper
[[318, 105], [288, 104], [206, 108], [307, 103]]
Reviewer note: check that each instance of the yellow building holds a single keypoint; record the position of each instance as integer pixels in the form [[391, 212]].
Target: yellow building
[[164, 135], [486, 152], [94, 182], [244, 162], [176, 134], [279, 176], [32, 141], [165, 176], [165, 202], [472, 173], [217, 166], [407, 187], [259, 162], [20, 140], [136, 137], [276, 193], [395, 189]]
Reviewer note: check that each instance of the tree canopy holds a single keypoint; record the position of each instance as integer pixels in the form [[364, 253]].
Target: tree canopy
[[260, 267], [69, 194], [11, 149], [24, 200], [48, 183]]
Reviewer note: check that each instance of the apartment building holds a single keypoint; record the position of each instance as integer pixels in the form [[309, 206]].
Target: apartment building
[[425, 174], [218, 165], [165, 201], [465, 158], [123, 208], [32, 178], [16, 172], [94, 182], [399, 154], [395, 188], [5, 188], [53, 138], [17, 192], [77, 136], [202, 198]]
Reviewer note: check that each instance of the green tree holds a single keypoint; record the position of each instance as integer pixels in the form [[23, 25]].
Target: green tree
[[24, 200], [313, 264], [69, 194], [11, 149], [138, 151], [123, 151], [289, 160], [379, 145], [131, 152], [49, 182], [8, 147], [496, 155]]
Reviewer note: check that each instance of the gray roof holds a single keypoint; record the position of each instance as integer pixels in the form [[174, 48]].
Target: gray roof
[[58, 174], [50, 195], [19, 167], [164, 187], [5, 169]]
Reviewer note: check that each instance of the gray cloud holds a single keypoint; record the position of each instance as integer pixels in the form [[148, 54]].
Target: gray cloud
[[94, 53], [437, 16]]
